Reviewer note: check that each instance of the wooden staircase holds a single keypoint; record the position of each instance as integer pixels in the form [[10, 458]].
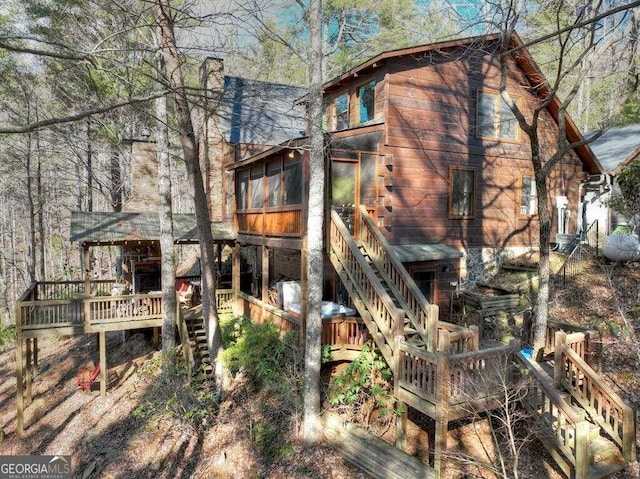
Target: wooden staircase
[[194, 339], [437, 366], [585, 426]]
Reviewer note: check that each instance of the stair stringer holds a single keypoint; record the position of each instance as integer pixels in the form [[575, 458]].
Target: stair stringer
[[194, 341]]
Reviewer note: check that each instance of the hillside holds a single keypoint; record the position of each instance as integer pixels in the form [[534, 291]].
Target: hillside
[[155, 426]]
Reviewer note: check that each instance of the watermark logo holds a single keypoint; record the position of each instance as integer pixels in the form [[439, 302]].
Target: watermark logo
[[35, 467]]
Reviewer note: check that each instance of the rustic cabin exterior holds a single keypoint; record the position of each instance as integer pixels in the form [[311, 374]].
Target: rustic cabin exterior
[[429, 179]]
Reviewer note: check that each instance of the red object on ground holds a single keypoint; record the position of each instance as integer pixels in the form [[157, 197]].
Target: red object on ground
[[86, 377]]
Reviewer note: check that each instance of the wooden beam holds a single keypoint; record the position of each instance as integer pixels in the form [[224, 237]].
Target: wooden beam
[[102, 345]]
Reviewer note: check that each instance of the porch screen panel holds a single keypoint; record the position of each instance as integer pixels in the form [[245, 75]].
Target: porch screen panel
[[292, 181], [257, 188], [274, 180], [242, 190]]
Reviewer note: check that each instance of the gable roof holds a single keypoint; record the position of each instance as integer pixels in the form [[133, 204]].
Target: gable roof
[[262, 113], [617, 146], [523, 59], [110, 228]]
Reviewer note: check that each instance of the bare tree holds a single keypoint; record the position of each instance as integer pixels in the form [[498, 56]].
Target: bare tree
[[164, 17], [315, 228]]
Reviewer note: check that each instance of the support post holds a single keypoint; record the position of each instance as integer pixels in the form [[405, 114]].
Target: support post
[[87, 269], [265, 274], [35, 356], [401, 408], [558, 368], [28, 371], [235, 274], [442, 410], [102, 345], [19, 388]]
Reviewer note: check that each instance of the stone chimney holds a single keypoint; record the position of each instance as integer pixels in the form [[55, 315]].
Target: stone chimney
[[212, 145], [144, 177]]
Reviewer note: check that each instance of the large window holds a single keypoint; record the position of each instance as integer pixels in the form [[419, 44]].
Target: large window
[[494, 117], [341, 109], [528, 196], [462, 188], [366, 102]]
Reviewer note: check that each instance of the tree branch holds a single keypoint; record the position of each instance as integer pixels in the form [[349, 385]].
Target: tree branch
[[77, 116]]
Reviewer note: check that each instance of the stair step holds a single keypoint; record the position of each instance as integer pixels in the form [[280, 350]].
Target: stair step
[[603, 450]]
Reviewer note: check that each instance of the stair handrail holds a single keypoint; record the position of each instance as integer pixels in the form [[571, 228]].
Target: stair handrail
[[389, 318], [575, 447], [422, 314], [613, 415]]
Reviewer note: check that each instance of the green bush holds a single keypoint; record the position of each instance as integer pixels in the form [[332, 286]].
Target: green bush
[[364, 387], [7, 337], [259, 352]]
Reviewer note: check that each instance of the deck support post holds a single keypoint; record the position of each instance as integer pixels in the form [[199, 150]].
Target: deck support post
[[441, 417], [558, 370], [35, 356], [265, 274], [102, 345], [235, 274], [19, 388], [401, 408], [87, 269], [28, 371]]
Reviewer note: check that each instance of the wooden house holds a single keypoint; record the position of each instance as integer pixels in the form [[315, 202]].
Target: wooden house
[[428, 179]]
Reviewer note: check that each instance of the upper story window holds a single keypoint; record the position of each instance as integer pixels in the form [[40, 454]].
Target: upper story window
[[341, 112], [274, 182], [242, 189], [366, 102], [292, 180], [257, 187], [494, 117], [528, 196], [462, 192]]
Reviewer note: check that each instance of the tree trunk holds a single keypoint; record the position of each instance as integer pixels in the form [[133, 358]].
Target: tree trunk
[[191, 157], [315, 228], [167, 252]]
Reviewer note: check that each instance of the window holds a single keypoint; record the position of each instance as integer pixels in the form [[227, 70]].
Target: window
[[528, 196], [462, 187], [366, 102], [494, 118], [256, 187], [341, 107]]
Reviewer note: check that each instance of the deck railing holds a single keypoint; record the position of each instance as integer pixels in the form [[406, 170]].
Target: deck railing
[[421, 313], [88, 313], [385, 321], [602, 403], [224, 300], [451, 380], [583, 341]]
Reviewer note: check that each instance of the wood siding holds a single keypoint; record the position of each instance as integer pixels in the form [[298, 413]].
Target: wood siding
[[430, 127]]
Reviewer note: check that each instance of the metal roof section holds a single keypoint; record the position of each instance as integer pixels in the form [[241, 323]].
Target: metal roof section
[[414, 253], [110, 228], [258, 112], [616, 145]]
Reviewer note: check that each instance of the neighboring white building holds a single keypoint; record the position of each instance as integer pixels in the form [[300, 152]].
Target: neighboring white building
[[616, 148]]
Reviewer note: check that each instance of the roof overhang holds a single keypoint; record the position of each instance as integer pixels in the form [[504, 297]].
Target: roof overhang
[[119, 228]]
